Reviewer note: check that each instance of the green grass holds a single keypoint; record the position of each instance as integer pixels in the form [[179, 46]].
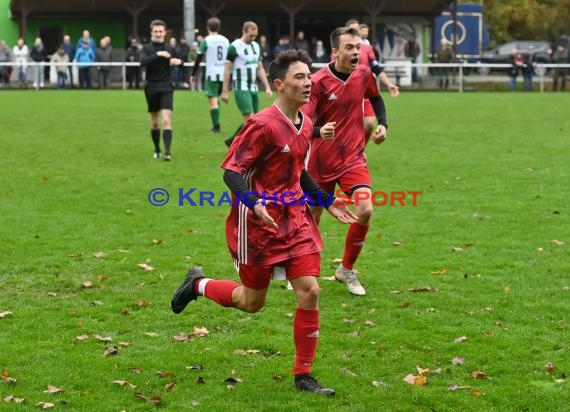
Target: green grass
[[493, 170]]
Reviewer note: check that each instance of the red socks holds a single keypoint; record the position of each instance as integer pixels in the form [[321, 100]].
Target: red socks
[[354, 241], [306, 336], [220, 291]]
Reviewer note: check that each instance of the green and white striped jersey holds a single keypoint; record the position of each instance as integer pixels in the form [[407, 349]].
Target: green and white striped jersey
[[215, 48], [245, 58]]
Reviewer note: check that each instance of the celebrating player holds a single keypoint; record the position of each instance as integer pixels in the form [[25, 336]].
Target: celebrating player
[[338, 156], [268, 157]]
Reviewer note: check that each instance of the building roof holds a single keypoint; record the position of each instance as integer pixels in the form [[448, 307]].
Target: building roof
[[107, 7]]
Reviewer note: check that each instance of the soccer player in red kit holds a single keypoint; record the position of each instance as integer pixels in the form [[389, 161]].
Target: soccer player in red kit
[[267, 161], [368, 58], [338, 156]]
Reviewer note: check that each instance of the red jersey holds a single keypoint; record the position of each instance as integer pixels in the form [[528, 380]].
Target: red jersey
[[334, 100], [270, 153]]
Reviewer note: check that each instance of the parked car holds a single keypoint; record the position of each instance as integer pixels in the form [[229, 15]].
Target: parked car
[[540, 50]]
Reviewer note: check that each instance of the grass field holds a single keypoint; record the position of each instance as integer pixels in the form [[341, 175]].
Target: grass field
[[490, 236]]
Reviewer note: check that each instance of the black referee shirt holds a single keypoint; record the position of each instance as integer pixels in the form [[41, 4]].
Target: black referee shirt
[[157, 68]]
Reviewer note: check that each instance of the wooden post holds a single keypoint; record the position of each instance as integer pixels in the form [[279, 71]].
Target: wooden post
[[373, 8], [291, 10], [135, 8]]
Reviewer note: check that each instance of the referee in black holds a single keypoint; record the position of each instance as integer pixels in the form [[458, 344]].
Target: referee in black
[[157, 58]]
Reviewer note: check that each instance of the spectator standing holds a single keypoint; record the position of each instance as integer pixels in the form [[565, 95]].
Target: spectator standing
[[5, 69], [320, 54], [133, 55], [86, 38], [517, 64], [60, 60], [21, 53], [301, 43], [364, 31], [85, 57], [560, 56], [528, 71], [103, 55], [39, 54], [183, 53], [174, 69], [283, 44], [70, 51], [266, 55], [412, 51], [444, 55]]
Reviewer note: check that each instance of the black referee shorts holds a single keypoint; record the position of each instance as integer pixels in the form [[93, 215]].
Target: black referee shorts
[[159, 96]]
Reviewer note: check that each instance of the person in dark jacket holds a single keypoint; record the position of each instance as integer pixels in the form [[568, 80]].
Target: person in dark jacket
[[158, 58], [39, 54], [133, 55], [103, 55]]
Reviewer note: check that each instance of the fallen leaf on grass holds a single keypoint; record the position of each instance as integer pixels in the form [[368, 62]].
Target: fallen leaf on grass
[[200, 381], [195, 367], [103, 339], [550, 367], [423, 289], [348, 372], [102, 278], [415, 380], [378, 383], [199, 332], [369, 323], [181, 337], [330, 278], [507, 288], [155, 400], [135, 370], [53, 389], [460, 339], [164, 374], [233, 379], [45, 405], [144, 266], [99, 254], [457, 361], [169, 386], [76, 254], [277, 378], [556, 242], [52, 294], [124, 344], [87, 284], [243, 352], [111, 350], [6, 377], [398, 242], [457, 387], [152, 334], [457, 249], [82, 337], [13, 399], [156, 241], [396, 292], [124, 383], [440, 272], [540, 249], [478, 375], [475, 393], [194, 402]]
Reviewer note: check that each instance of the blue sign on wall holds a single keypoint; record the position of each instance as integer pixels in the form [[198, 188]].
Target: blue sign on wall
[[471, 32]]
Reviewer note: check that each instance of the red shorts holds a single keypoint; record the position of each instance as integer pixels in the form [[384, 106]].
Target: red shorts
[[259, 276], [367, 109], [349, 181]]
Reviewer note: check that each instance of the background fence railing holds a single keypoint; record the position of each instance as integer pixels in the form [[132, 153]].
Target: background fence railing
[[400, 71]]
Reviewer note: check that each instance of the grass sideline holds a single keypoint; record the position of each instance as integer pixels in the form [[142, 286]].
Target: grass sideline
[[494, 172]]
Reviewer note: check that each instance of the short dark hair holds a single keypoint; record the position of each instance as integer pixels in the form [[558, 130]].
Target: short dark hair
[[339, 31], [279, 66], [157, 23], [213, 24]]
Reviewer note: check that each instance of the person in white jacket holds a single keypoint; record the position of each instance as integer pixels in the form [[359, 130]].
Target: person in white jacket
[[21, 54]]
